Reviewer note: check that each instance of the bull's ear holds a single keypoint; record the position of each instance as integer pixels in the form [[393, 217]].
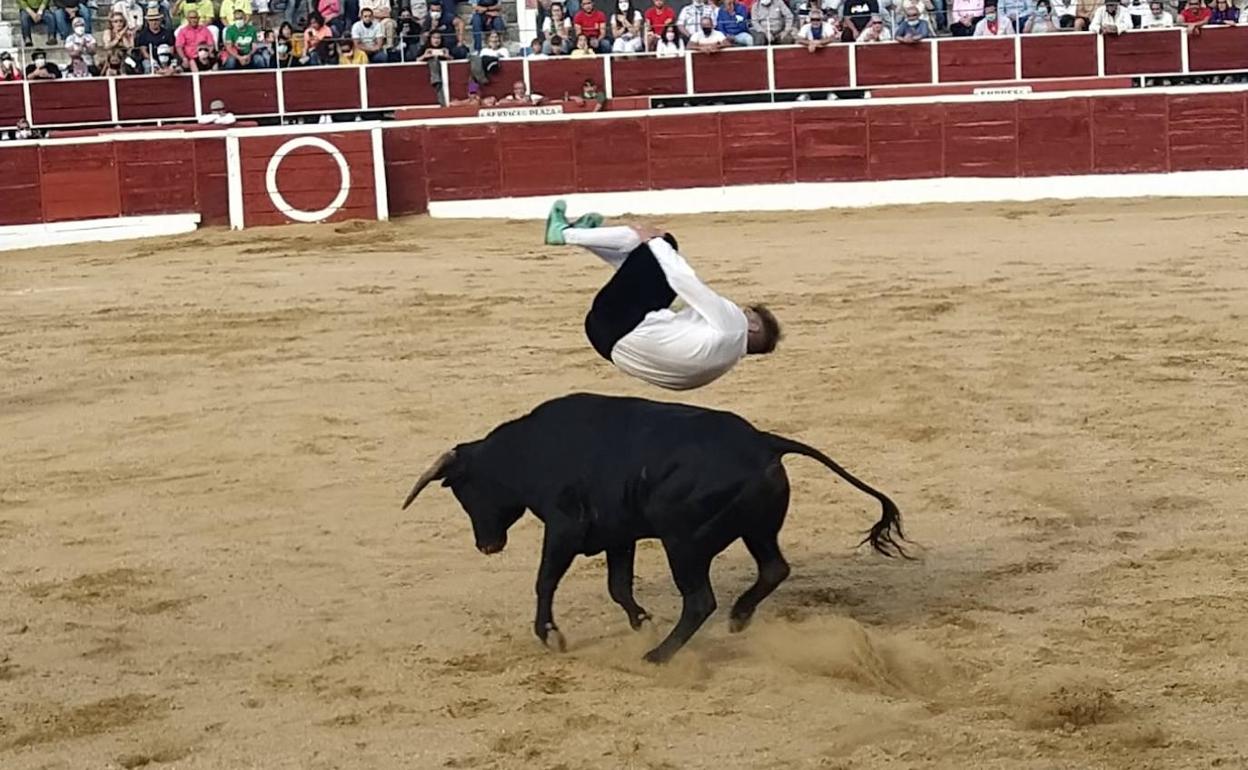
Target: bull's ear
[[435, 471]]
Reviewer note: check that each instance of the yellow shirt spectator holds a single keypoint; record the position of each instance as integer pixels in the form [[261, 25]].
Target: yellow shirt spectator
[[354, 58], [205, 8], [228, 7]]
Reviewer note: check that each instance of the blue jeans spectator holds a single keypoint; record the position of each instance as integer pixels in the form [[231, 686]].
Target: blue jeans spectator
[[479, 22], [28, 24], [745, 38], [65, 24]]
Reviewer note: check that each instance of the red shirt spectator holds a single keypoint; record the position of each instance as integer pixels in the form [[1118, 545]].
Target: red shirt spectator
[[1196, 13], [658, 16], [192, 37], [8, 71], [590, 21]]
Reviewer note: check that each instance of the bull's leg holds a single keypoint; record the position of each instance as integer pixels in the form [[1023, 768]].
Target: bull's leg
[[772, 570], [556, 558], [691, 567], [767, 509], [620, 583]]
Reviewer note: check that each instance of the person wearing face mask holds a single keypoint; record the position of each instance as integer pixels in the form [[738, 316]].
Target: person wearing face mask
[[406, 43], [657, 17], [367, 36], [913, 28], [771, 22], [993, 24], [708, 39], [240, 44], [191, 38], [1017, 11], [40, 68], [284, 56], [450, 26], [228, 9], [8, 72], [66, 12], [626, 28], [670, 44], [205, 60], [1042, 21], [83, 40], [166, 62], [690, 18]]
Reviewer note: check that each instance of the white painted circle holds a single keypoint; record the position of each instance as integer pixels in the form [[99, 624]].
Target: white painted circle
[[275, 195]]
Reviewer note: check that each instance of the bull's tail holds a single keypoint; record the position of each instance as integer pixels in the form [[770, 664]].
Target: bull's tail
[[885, 535]]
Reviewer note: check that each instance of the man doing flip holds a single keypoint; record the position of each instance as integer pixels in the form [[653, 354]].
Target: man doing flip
[[631, 322]]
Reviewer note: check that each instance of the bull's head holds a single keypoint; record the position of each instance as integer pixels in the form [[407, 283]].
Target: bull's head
[[491, 507]]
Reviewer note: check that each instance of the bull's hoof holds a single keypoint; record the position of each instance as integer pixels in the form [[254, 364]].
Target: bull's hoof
[[738, 624], [640, 621], [657, 656], [554, 640]]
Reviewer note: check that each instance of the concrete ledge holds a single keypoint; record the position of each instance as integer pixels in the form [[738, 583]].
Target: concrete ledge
[[14, 237]]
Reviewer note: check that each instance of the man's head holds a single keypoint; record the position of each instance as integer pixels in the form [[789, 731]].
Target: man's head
[[192, 19], [435, 40], [240, 19], [154, 20], [816, 16], [6, 61], [517, 89], [1111, 6], [765, 332], [990, 11], [708, 26], [39, 57], [80, 26], [587, 6], [912, 13], [366, 16]]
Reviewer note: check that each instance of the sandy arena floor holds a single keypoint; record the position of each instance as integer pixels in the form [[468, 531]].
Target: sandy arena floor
[[206, 441]]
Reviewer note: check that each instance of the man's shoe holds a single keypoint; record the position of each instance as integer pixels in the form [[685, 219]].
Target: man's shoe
[[556, 223], [588, 221]]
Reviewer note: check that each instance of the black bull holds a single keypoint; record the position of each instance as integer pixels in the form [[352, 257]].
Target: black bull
[[604, 472]]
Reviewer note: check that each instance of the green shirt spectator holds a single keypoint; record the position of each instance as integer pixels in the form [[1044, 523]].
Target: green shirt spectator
[[243, 38]]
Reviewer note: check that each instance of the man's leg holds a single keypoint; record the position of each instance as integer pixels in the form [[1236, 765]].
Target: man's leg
[[557, 222]]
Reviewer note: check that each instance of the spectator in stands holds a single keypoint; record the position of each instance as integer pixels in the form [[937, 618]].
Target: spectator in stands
[[520, 96], [875, 32], [40, 68], [456, 50], [1064, 13], [1084, 11], [435, 51], [627, 28], [239, 45], [913, 28], [367, 37], [733, 20], [592, 23], [557, 24], [816, 34], [582, 48], [690, 18], [83, 40], [229, 8], [380, 9], [1137, 9], [443, 19], [407, 38], [670, 44], [112, 65], [993, 24], [590, 94], [204, 9], [118, 37], [65, 12], [8, 70], [315, 39], [533, 50], [856, 14], [1195, 15], [1042, 21], [78, 66], [349, 55], [494, 48], [191, 37], [657, 17], [1111, 19], [1159, 17], [1224, 12], [206, 60], [32, 12], [1017, 11], [131, 11], [217, 115], [925, 9], [772, 22], [707, 39], [331, 15], [486, 15], [965, 14], [167, 62], [153, 35]]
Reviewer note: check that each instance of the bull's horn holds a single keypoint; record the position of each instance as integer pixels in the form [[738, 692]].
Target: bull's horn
[[435, 471]]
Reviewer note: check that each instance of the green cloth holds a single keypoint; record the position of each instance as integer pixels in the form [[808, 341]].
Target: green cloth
[[242, 38], [32, 5]]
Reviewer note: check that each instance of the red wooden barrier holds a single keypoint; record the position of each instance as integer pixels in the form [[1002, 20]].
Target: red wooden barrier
[[823, 68], [311, 178], [1143, 53], [20, 187], [969, 59], [880, 64], [1058, 56]]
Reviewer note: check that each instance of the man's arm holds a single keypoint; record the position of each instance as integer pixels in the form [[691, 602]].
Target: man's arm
[[721, 313]]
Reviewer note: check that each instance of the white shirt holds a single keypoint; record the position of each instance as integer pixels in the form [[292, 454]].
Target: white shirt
[[1121, 21], [664, 48], [684, 349], [497, 53], [702, 38], [1157, 22], [369, 35]]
